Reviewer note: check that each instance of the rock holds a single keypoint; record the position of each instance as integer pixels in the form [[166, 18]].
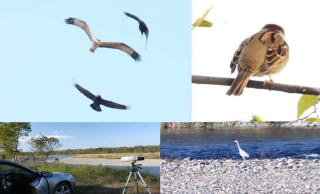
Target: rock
[[233, 176]]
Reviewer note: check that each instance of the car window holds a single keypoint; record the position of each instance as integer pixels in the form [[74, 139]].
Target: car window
[[7, 167], [24, 175]]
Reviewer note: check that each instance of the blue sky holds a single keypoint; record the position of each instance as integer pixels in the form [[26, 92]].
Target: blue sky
[[91, 135], [41, 57]]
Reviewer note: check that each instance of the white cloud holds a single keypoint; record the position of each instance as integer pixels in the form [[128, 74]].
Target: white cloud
[[60, 137]]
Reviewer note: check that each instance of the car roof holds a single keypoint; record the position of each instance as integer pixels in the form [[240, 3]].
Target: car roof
[[18, 165]]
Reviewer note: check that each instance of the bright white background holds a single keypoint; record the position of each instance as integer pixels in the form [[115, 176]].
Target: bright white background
[[213, 49]]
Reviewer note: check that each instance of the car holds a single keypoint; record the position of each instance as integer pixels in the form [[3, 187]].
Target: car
[[16, 178]]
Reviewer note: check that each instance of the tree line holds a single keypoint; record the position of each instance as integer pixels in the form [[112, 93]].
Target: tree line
[[106, 150], [42, 147], [10, 134]]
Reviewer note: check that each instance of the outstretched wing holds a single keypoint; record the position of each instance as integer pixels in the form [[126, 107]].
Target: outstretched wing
[[144, 29], [274, 56], [132, 16], [236, 55], [81, 24], [113, 104], [123, 47], [84, 91]]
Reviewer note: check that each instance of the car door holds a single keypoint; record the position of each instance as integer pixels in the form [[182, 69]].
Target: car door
[[27, 180], [40, 186]]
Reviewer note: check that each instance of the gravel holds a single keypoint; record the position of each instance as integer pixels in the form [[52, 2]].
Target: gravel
[[242, 125], [234, 176]]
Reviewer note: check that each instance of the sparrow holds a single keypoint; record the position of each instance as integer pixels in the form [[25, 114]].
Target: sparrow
[[98, 100], [264, 53]]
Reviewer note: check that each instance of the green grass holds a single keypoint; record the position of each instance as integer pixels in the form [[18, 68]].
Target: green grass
[[100, 179]]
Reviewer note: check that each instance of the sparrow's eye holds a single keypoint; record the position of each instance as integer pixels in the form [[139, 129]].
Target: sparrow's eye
[[272, 37]]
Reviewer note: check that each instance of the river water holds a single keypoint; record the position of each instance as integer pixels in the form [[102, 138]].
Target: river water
[[258, 143]]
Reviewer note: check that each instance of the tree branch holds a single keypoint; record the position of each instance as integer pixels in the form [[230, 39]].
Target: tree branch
[[196, 79]]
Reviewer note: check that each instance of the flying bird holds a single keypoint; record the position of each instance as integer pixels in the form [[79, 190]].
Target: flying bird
[[242, 153], [264, 53], [142, 26], [98, 43], [97, 100]]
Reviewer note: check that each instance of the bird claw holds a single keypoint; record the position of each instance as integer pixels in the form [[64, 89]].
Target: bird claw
[[266, 82]]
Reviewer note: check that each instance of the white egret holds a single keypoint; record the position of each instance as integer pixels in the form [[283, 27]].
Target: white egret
[[242, 153]]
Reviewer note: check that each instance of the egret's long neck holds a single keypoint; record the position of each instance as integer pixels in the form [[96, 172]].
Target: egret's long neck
[[238, 145]]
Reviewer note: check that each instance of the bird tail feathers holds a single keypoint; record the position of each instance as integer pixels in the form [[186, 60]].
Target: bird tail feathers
[[239, 83], [146, 43], [95, 107]]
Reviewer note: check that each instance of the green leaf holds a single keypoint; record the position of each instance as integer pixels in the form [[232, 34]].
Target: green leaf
[[305, 102], [312, 120], [257, 118], [205, 23], [201, 22]]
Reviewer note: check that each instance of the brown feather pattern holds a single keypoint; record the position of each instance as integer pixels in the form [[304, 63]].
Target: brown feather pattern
[[263, 53]]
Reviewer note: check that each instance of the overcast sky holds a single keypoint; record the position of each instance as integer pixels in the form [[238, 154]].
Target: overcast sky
[[234, 21]]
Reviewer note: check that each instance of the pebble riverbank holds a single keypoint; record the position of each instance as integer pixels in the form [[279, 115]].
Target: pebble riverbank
[[234, 176], [241, 125]]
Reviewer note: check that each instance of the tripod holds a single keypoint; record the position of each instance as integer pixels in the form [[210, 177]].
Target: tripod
[[135, 171]]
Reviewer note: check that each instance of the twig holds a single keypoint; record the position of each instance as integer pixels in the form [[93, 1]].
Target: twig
[[196, 79], [314, 112]]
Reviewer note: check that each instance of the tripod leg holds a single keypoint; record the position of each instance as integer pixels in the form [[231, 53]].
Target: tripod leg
[[136, 181], [144, 183], [125, 187]]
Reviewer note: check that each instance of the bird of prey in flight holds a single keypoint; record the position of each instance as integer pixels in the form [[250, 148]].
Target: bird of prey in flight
[[142, 26], [97, 100], [98, 43]]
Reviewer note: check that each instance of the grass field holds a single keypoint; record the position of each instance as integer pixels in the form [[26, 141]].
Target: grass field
[[150, 155], [99, 180]]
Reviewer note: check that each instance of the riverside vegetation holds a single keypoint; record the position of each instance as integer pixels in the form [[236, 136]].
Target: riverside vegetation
[[104, 150], [239, 125], [99, 179], [149, 155]]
